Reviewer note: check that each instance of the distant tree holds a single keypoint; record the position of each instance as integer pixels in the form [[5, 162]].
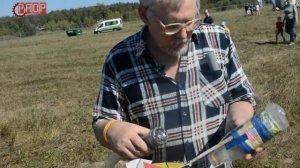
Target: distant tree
[[5, 31], [87, 16], [14, 26], [115, 14], [28, 29], [105, 13], [62, 25], [223, 4], [89, 21], [51, 25]]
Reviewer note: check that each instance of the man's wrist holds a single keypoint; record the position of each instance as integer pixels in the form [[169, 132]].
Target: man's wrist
[[105, 130], [98, 128]]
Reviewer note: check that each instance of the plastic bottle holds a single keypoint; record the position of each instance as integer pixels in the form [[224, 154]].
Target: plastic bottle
[[244, 139], [157, 136]]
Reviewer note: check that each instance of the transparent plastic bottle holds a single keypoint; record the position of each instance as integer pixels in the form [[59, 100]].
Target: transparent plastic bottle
[[157, 136], [244, 139]]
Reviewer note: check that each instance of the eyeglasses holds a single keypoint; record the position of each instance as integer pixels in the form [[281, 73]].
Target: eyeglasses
[[173, 28]]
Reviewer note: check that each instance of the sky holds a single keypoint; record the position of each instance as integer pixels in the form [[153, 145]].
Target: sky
[[7, 5]]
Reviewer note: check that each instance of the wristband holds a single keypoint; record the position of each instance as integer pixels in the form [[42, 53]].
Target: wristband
[[107, 125]]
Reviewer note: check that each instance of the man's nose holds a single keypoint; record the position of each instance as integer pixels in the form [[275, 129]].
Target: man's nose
[[182, 34]]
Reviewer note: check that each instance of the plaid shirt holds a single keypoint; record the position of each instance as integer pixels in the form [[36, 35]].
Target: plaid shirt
[[192, 109]]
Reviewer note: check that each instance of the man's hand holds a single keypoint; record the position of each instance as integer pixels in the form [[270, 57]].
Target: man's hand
[[239, 113], [125, 139]]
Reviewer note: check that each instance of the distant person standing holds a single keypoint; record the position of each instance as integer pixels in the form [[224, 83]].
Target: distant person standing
[[246, 9], [273, 4], [260, 3], [290, 18], [279, 29], [297, 4], [207, 19], [252, 8], [224, 25], [257, 9]]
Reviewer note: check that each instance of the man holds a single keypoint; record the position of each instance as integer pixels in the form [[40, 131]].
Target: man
[[162, 76], [207, 19], [291, 20], [224, 25], [297, 4], [246, 9]]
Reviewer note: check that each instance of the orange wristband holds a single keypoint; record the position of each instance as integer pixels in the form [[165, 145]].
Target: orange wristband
[[107, 125]]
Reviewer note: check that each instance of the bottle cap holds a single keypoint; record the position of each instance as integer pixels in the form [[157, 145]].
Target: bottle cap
[[278, 116], [156, 137]]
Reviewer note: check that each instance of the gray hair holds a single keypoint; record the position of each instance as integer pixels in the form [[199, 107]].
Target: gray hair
[[173, 3]]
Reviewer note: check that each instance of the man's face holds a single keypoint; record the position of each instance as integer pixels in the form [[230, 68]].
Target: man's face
[[176, 44]]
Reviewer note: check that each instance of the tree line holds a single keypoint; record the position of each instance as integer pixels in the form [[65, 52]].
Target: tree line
[[83, 17], [65, 19]]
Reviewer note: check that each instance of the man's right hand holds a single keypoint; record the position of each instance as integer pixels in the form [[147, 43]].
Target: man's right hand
[[124, 138]]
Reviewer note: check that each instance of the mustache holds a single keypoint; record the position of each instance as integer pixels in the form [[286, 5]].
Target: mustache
[[180, 41]]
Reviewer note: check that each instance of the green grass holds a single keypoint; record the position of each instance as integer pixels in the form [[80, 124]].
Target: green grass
[[49, 83]]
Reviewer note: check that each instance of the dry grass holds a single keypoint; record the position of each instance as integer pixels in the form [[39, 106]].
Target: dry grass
[[274, 72], [49, 84]]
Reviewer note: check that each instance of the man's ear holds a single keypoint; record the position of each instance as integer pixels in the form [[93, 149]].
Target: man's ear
[[143, 14]]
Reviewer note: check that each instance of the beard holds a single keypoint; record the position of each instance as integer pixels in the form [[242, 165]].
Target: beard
[[177, 47]]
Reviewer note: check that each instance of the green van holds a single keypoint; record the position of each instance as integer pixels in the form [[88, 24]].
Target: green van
[[109, 25]]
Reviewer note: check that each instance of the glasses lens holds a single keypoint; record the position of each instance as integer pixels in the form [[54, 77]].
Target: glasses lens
[[196, 23], [190, 25], [173, 28]]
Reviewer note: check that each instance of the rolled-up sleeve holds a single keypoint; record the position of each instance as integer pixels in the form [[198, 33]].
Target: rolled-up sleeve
[[108, 100], [238, 83]]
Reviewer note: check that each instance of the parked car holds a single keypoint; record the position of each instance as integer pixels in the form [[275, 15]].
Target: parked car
[[74, 32], [109, 25]]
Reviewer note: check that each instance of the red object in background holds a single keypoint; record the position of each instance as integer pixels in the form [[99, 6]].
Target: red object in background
[[21, 9]]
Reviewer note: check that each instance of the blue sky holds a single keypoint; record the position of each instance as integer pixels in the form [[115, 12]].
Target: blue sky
[[6, 5]]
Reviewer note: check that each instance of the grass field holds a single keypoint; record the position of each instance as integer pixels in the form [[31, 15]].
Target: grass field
[[49, 83]]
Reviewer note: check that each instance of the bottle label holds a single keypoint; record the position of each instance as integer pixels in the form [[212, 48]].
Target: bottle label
[[254, 139], [253, 133]]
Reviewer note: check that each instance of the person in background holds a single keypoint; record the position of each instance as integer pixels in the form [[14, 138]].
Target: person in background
[[252, 8], [279, 29], [177, 74], [249, 11], [297, 4], [260, 3], [207, 19], [224, 25], [246, 9], [257, 9], [273, 4], [290, 19]]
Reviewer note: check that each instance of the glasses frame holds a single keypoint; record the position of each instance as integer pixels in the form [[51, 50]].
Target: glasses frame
[[181, 25]]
